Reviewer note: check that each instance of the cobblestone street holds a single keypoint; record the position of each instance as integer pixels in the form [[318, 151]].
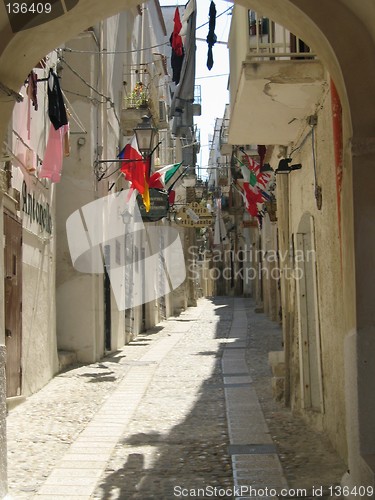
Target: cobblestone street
[[186, 405]]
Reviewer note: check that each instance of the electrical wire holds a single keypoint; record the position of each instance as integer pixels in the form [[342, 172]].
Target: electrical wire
[[211, 76], [302, 143], [107, 99], [221, 14], [93, 99], [111, 52], [73, 114]]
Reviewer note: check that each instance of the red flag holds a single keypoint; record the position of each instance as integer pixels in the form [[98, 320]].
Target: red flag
[[252, 198], [136, 172], [176, 38]]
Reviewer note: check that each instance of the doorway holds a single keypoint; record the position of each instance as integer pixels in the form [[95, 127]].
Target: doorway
[[308, 313], [13, 303], [107, 300]]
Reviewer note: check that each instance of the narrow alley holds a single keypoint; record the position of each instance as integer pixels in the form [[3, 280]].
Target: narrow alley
[[185, 408]]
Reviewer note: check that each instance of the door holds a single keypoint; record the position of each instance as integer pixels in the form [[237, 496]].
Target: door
[[107, 299], [13, 303], [309, 325]]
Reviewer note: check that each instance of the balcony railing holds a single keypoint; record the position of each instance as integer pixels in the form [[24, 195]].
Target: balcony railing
[[141, 96], [268, 40], [134, 101], [224, 129]]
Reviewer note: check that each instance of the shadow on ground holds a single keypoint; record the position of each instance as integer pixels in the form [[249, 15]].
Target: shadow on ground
[[194, 455]]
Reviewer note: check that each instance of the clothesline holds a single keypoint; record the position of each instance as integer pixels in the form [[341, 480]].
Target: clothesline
[[107, 98], [111, 52], [74, 115]]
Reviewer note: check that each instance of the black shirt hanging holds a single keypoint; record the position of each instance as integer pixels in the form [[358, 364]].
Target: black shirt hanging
[[211, 37], [56, 106]]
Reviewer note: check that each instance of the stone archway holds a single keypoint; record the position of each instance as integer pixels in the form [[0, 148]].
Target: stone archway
[[343, 34]]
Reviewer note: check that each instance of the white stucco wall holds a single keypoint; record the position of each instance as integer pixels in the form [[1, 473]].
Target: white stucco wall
[[39, 353], [328, 270]]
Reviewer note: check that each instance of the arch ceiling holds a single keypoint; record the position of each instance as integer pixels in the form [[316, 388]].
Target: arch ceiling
[[342, 32]]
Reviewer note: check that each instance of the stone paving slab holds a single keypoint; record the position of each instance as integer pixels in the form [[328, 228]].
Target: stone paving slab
[[248, 431]]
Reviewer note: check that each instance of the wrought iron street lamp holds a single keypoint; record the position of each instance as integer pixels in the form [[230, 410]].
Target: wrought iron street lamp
[[144, 134]]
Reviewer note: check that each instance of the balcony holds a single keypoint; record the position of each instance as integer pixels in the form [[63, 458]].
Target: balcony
[[225, 146], [142, 95], [275, 81], [132, 111], [197, 104]]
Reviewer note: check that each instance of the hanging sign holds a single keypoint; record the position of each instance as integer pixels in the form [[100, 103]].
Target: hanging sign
[[158, 206], [194, 215]]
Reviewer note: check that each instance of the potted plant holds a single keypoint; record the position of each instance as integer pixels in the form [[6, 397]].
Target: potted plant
[[138, 97]]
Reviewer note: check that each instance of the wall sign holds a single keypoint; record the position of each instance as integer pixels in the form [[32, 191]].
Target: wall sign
[[158, 206], [38, 212]]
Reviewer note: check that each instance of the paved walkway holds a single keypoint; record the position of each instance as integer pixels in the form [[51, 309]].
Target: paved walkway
[[175, 411]]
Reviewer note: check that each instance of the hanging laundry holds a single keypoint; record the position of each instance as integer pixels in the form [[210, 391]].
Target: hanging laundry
[[32, 89], [262, 150], [185, 89], [54, 154], [56, 106], [177, 56], [211, 37], [176, 37], [176, 65]]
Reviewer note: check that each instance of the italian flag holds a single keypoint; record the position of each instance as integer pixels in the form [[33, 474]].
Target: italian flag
[[165, 177], [248, 174]]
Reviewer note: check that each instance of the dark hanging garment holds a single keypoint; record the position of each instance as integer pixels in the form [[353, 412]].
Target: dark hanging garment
[[56, 106], [177, 56], [176, 65], [185, 89], [211, 37], [262, 150]]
